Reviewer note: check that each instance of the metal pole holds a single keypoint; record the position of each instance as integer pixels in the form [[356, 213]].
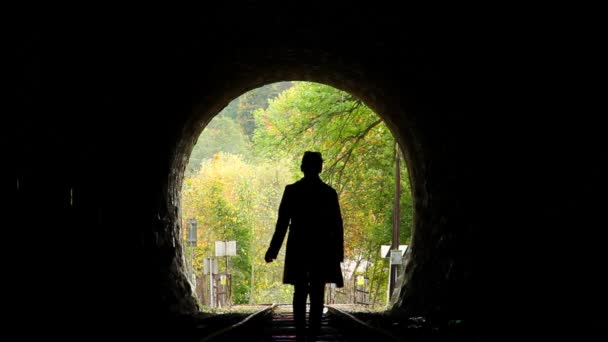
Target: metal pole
[[251, 286], [192, 264], [226, 294], [396, 219], [252, 248], [210, 268], [390, 278]]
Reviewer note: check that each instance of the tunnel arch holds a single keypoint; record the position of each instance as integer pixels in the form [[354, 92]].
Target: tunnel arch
[[406, 228], [382, 96]]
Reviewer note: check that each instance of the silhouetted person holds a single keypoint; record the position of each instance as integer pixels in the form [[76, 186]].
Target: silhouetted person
[[315, 246]]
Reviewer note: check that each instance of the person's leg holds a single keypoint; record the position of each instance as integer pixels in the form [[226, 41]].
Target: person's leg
[[300, 292], [317, 293]]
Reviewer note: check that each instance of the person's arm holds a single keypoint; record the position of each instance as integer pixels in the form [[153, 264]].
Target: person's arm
[[340, 229], [280, 229]]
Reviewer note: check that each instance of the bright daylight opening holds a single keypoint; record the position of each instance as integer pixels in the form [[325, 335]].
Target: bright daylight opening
[[236, 176]]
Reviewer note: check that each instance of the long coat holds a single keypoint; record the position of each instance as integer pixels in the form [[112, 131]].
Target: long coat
[[311, 211]]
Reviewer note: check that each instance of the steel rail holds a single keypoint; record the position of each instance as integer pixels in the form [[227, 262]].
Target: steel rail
[[386, 336], [227, 332]]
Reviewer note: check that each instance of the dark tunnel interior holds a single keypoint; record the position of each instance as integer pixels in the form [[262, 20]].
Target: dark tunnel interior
[[105, 108]]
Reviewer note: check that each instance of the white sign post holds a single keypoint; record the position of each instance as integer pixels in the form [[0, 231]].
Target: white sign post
[[225, 249], [210, 268], [394, 259], [386, 249]]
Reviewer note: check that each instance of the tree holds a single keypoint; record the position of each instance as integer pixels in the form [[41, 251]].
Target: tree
[[359, 152], [255, 99], [236, 200], [236, 195], [222, 134]]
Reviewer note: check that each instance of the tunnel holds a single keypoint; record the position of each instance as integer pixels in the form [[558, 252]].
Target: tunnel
[[105, 108]]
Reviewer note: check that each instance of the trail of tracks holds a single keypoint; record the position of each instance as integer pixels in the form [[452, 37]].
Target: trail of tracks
[[275, 324]]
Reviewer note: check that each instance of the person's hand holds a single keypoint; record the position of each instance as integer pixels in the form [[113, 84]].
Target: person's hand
[[267, 257]]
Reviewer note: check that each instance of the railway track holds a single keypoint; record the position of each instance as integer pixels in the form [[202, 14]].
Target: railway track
[[274, 323]]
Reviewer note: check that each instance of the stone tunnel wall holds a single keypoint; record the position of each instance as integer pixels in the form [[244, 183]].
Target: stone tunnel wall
[[102, 118]]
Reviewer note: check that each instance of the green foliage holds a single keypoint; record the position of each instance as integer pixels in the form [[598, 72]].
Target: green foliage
[[359, 153], [221, 135], [254, 99], [237, 197], [236, 200]]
